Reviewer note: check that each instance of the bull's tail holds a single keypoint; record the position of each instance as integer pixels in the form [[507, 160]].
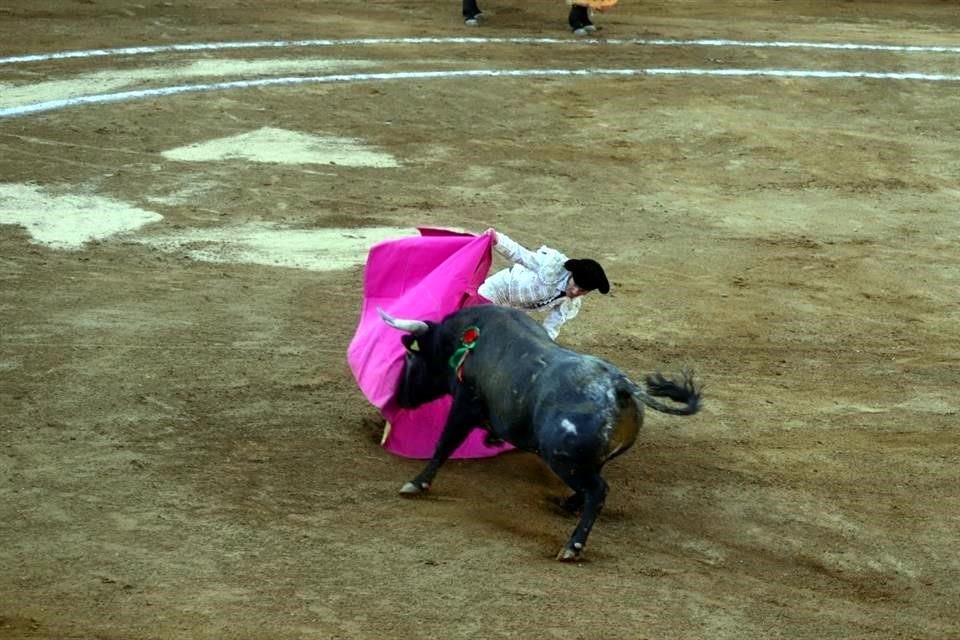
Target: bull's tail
[[685, 392]]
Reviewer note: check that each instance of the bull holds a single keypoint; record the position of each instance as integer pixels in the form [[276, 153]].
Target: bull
[[577, 412]]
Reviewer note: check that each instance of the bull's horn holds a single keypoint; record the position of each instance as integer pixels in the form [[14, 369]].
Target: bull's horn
[[416, 327]]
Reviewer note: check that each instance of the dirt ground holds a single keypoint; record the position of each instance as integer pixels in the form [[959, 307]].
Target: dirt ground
[[184, 452]]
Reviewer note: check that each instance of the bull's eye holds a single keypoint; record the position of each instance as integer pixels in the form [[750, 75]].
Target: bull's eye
[[413, 346]]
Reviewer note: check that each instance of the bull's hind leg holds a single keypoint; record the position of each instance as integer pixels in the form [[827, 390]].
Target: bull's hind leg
[[471, 13], [571, 504], [592, 490]]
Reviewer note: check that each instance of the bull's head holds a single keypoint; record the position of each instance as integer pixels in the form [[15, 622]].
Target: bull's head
[[425, 369]]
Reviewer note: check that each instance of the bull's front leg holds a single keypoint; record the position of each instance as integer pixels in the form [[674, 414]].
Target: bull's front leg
[[452, 437], [465, 413]]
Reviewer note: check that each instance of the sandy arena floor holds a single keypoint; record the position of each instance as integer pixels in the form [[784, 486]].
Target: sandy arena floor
[[184, 453]]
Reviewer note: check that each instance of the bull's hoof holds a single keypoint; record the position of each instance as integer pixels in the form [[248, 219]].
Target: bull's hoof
[[413, 489], [472, 21], [569, 555]]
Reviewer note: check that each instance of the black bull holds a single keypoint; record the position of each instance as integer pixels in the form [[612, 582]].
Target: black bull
[[575, 411]]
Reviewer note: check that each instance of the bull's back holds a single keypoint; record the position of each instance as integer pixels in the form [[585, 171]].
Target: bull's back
[[543, 397]]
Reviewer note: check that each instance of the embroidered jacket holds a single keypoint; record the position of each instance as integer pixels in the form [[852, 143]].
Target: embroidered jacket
[[537, 281]]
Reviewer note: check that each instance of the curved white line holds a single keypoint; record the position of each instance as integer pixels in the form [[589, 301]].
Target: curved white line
[[280, 44], [103, 98]]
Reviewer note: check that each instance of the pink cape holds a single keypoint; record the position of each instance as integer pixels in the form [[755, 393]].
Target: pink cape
[[418, 278]]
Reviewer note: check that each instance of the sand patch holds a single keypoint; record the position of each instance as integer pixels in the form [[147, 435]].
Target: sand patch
[[67, 222], [310, 249], [822, 213], [284, 147], [188, 193], [13, 95], [930, 403]]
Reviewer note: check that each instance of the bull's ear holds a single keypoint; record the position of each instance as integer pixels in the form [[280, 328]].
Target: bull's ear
[[410, 342]]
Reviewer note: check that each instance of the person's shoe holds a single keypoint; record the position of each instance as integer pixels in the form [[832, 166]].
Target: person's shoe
[[579, 20]]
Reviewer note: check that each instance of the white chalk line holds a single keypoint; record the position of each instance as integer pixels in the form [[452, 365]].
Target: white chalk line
[[123, 96], [281, 44]]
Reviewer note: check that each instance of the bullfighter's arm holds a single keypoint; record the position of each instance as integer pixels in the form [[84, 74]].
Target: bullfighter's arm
[[558, 315], [514, 251]]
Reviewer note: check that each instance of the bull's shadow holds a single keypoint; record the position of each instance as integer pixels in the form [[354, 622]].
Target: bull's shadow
[[575, 411]]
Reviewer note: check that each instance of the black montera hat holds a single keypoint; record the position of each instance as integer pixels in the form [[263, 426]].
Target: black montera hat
[[588, 274]]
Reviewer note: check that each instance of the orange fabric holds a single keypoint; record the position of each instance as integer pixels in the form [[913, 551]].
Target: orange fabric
[[596, 5]]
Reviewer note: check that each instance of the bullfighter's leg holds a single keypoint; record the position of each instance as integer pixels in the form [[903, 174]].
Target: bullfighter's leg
[[471, 12], [594, 489]]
